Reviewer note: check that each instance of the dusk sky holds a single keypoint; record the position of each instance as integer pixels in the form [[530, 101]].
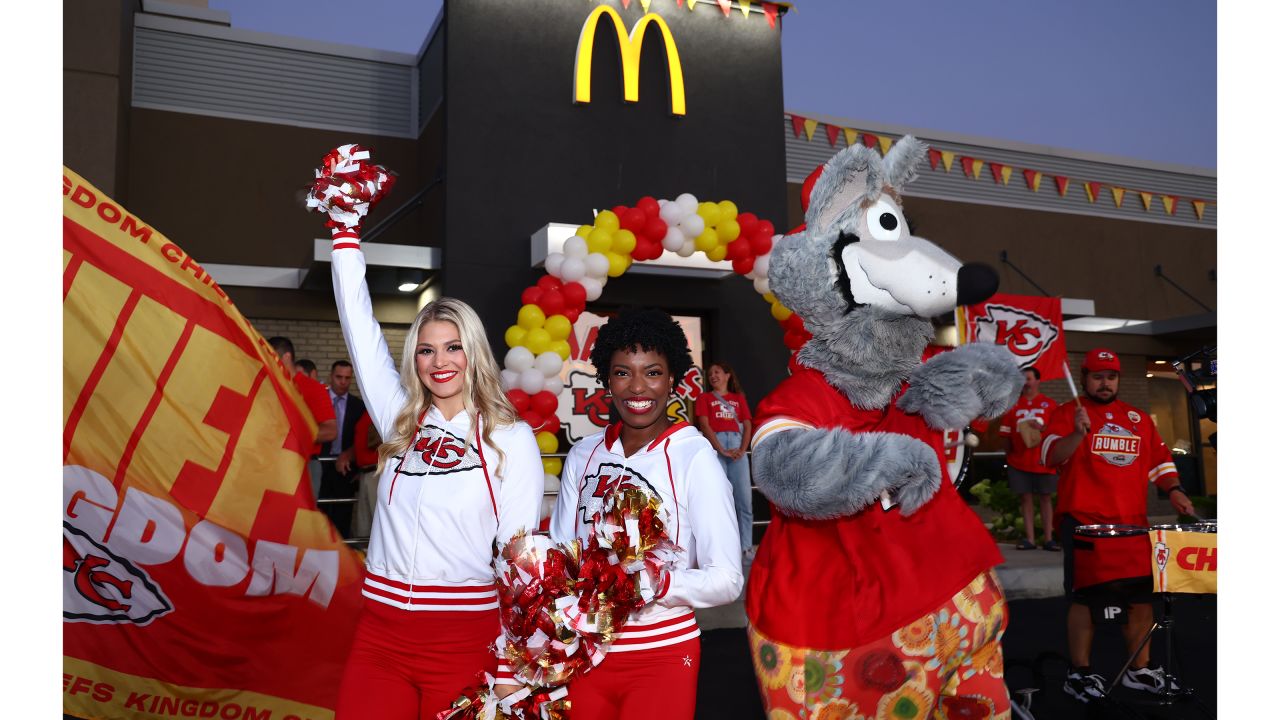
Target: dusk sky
[[1135, 78]]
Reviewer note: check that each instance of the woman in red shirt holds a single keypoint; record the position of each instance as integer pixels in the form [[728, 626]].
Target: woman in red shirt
[[725, 418]]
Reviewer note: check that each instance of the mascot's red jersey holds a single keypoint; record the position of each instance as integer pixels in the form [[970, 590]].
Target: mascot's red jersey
[[875, 570]]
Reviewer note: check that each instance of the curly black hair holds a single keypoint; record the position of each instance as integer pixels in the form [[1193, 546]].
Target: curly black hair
[[641, 329]]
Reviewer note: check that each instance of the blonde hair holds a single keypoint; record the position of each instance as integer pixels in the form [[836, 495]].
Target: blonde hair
[[481, 388]]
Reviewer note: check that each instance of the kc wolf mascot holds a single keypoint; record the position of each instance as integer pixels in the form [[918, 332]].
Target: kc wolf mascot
[[872, 594]]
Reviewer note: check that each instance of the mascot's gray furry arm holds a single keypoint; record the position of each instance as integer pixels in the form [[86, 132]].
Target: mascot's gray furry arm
[[866, 287]]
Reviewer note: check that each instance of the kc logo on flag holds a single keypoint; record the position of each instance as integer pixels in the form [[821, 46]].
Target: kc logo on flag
[[1031, 327]]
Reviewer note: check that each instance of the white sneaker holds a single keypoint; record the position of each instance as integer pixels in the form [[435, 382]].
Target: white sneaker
[[1085, 687], [1151, 680]]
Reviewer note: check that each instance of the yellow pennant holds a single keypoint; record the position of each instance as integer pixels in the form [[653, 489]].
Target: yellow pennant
[[977, 168], [885, 144], [1088, 191], [1146, 199], [1117, 194], [850, 136], [810, 126], [1170, 203], [746, 8], [948, 157], [1198, 206], [645, 4], [692, 3], [1005, 172]]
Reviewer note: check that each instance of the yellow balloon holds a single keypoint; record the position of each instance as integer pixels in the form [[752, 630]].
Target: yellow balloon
[[552, 466], [515, 336], [624, 241], [728, 231], [558, 327], [618, 264], [717, 253], [530, 317], [561, 348], [728, 211], [710, 213], [770, 298], [606, 220], [779, 312], [538, 340], [707, 240], [599, 240], [547, 442], [584, 231]]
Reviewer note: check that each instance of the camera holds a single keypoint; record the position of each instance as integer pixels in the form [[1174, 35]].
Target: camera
[[1199, 374]]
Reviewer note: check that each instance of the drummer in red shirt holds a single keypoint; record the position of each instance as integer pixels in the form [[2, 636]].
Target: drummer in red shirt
[[1107, 451]]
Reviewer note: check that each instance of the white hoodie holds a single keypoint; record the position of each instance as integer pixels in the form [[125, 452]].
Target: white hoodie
[[442, 504], [680, 467]]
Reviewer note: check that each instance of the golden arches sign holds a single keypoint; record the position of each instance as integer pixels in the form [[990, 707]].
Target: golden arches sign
[[629, 44]]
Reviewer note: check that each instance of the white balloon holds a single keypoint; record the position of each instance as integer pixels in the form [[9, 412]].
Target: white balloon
[[547, 507], [550, 483], [593, 287], [575, 247], [686, 249], [510, 379], [688, 202], [674, 239], [662, 202], [518, 359], [692, 225], [597, 265], [573, 269], [553, 385], [761, 268], [671, 213], [531, 380], [762, 285], [553, 263], [549, 364]]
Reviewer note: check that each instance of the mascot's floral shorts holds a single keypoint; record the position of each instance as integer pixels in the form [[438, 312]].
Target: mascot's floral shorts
[[945, 666]]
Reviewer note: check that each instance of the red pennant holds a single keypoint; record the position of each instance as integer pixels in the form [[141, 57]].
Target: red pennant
[[996, 170], [833, 132], [679, 3], [870, 140], [1062, 182], [770, 12], [726, 6], [934, 157], [797, 124], [1091, 190], [967, 164], [626, 4], [1033, 179]]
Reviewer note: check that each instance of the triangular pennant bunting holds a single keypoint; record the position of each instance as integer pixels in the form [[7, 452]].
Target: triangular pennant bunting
[[966, 164], [1063, 182], [1146, 200], [996, 169], [797, 122], [850, 136], [692, 3], [1091, 190], [885, 144], [1198, 206], [746, 8], [1033, 179], [977, 167], [948, 157], [645, 4], [726, 6], [833, 132], [1117, 194], [1005, 172], [626, 4], [870, 140], [810, 126], [934, 157], [1170, 204], [771, 14]]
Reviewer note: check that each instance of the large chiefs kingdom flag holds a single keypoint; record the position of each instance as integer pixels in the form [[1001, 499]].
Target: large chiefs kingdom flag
[[1030, 326], [199, 580]]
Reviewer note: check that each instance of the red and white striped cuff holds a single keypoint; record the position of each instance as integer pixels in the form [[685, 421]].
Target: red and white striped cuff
[[430, 597], [643, 636], [345, 238]]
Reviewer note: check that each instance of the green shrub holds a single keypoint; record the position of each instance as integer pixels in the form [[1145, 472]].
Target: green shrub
[[1006, 506]]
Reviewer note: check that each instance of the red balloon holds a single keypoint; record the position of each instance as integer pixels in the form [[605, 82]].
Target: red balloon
[[572, 314], [552, 302], [551, 425], [543, 403], [743, 265], [793, 322], [549, 282], [649, 206], [794, 340], [739, 248], [620, 210], [765, 227], [761, 243], [634, 220], [531, 295], [575, 296], [655, 229], [533, 418], [747, 223], [519, 398]]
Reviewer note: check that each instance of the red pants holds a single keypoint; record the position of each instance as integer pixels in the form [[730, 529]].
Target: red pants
[[640, 685], [407, 665]]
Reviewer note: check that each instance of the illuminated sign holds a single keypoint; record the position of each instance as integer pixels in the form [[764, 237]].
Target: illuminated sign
[[630, 49]]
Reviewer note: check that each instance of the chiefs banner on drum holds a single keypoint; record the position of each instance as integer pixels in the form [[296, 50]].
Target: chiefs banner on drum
[[199, 580], [1030, 326], [1184, 562]]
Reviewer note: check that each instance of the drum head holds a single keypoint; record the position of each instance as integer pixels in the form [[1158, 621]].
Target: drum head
[[1190, 527], [1103, 531]]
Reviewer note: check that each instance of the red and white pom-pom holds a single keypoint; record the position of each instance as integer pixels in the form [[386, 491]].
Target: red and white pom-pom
[[348, 186]]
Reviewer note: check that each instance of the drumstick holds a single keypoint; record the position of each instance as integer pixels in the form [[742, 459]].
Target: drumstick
[[1071, 383]]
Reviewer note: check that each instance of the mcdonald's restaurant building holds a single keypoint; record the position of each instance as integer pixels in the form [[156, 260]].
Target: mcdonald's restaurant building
[[516, 119]]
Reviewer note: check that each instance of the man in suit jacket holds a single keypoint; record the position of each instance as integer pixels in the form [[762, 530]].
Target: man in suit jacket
[[347, 410]]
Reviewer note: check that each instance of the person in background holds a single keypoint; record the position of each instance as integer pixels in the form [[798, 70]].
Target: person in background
[[1021, 428], [362, 459], [317, 400], [724, 418], [308, 368]]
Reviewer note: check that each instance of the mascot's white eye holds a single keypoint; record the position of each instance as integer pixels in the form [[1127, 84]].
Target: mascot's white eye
[[884, 222]]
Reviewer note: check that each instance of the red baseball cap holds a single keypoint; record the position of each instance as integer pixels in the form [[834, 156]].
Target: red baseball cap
[[1100, 359]]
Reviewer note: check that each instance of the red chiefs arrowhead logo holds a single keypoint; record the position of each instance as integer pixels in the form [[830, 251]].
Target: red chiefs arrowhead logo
[[607, 478], [439, 452], [101, 587], [1026, 334]]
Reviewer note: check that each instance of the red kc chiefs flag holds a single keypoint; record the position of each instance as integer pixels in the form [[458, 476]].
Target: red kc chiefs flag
[[199, 580], [1030, 326]]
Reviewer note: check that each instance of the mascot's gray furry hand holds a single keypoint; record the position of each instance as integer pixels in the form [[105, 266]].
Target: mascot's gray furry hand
[[823, 474], [953, 388]]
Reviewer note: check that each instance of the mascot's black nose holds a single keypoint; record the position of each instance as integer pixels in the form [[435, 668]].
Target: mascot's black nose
[[976, 282]]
